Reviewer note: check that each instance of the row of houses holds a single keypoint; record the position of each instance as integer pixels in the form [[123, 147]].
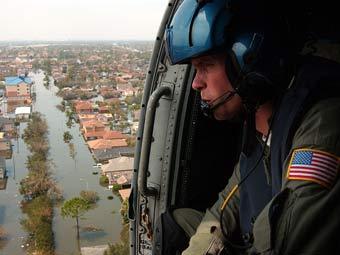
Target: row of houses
[[108, 146], [7, 131]]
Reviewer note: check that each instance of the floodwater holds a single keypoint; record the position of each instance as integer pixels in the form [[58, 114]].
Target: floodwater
[[72, 176]]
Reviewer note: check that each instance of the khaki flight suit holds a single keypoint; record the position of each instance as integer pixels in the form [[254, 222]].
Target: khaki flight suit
[[307, 220]]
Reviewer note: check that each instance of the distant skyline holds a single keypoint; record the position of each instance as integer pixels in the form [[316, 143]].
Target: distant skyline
[[65, 20]]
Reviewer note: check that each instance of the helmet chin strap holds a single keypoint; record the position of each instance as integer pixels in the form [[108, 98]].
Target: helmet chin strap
[[208, 108]]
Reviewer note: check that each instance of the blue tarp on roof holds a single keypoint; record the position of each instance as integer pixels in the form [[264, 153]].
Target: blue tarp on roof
[[15, 80]]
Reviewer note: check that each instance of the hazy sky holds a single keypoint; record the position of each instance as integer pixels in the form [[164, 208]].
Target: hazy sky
[[80, 19]]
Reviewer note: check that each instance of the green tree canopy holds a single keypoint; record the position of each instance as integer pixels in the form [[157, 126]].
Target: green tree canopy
[[74, 208]]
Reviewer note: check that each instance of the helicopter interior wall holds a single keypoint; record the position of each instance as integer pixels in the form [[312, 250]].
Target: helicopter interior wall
[[216, 147]]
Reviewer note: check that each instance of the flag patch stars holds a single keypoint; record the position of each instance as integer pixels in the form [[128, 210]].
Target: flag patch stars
[[313, 165]]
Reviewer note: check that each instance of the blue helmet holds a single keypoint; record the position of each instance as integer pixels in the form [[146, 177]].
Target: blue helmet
[[249, 31]]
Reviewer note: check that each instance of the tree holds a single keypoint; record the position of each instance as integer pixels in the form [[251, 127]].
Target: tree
[[90, 196], [67, 137], [75, 208], [73, 153]]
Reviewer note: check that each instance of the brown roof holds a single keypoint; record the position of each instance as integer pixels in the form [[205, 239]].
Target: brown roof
[[99, 144], [122, 180], [83, 105], [92, 123], [104, 108], [124, 193], [87, 116], [107, 135], [110, 135]]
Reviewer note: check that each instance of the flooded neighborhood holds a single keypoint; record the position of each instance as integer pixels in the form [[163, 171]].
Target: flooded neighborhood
[[69, 115]]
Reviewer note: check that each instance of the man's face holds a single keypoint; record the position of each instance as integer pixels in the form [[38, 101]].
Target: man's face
[[212, 82]]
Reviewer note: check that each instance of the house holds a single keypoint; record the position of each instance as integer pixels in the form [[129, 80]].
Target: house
[[5, 143], [83, 107], [5, 146], [109, 92], [3, 177], [2, 168], [92, 126], [104, 109], [86, 117], [7, 125], [105, 134], [121, 164], [119, 169], [126, 89], [104, 117], [124, 193], [18, 87], [23, 112], [101, 144], [107, 154], [122, 180]]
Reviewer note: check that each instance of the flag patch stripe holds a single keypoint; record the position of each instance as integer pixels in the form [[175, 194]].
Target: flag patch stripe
[[325, 161], [313, 165], [328, 166], [311, 168], [311, 174]]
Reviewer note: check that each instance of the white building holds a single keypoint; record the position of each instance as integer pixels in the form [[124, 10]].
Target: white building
[[23, 112]]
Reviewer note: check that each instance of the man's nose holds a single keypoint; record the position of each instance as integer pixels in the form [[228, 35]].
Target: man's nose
[[198, 83]]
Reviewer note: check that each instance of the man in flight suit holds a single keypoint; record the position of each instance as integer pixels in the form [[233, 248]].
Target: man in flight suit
[[284, 194]]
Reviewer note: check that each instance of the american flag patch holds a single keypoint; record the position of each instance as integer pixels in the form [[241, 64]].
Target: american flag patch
[[313, 165]]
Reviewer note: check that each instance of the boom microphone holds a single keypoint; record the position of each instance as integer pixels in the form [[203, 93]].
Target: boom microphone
[[208, 108]]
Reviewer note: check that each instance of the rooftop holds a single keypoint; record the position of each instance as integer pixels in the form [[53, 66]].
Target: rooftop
[[15, 80], [124, 193], [118, 165]]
